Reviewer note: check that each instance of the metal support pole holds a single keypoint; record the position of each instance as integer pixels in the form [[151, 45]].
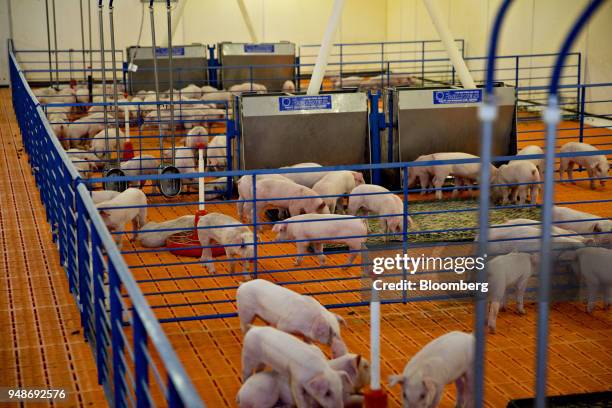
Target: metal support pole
[[487, 114], [49, 42], [90, 39], [156, 78], [82, 39], [55, 45], [103, 70], [114, 69], [171, 78]]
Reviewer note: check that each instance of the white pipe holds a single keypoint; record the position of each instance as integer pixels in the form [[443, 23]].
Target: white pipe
[[374, 341], [326, 45], [201, 183], [126, 116], [449, 43], [176, 19], [247, 21]]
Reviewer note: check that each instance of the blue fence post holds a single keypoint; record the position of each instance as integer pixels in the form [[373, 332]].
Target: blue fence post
[[579, 81], [117, 342], [82, 238], [341, 62], [254, 214], [390, 128], [375, 133], [581, 111], [141, 364], [298, 74], [405, 230], [99, 302], [174, 400]]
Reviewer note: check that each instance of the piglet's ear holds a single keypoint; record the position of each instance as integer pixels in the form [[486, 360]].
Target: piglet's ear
[[597, 227], [340, 320], [395, 379], [321, 206], [104, 214]]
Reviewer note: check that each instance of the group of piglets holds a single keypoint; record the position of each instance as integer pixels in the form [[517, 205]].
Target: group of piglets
[[580, 240], [514, 183], [280, 366]]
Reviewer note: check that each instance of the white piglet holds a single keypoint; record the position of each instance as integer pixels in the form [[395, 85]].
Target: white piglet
[[584, 223], [597, 166], [517, 172], [305, 365], [290, 312], [307, 179], [505, 271], [160, 231], [116, 218], [285, 194], [103, 195], [320, 229], [140, 165], [225, 230], [335, 184], [593, 264], [533, 150], [216, 153], [245, 190], [449, 358], [378, 200]]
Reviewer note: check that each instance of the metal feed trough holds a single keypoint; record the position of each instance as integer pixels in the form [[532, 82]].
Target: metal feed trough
[[433, 120], [190, 65], [282, 130], [270, 64]]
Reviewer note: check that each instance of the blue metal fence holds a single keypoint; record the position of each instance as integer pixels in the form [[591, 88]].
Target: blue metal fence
[[125, 356]]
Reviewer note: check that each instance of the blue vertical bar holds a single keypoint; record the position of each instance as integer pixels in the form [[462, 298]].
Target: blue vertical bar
[[405, 230], [374, 134], [582, 112], [116, 338], [579, 79], [298, 74], [83, 267], [390, 127], [341, 62], [141, 364], [97, 273], [254, 181]]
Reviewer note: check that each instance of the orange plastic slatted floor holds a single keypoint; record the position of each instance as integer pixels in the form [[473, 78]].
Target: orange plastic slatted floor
[[210, 349], [580, 358], [41, 341]]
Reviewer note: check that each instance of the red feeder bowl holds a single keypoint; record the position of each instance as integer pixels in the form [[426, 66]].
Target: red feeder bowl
[[375, 398], [186, 239]]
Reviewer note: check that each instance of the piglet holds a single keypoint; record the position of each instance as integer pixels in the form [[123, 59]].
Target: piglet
[[225, 230], [288, 87], [584, 223], [504, 271], [597, 166], [116, 218], [59, 124], [196, 136], [103, 195], [379, 200], [266, 389], [532, 150], [307, 368], [307, 179], [335, 184], [285, 194], [593, 264], [87, 126], [290, 312], [245, 190], [516, 172], [156, 239], [216, 153], [449, 358], [247, 87], [98, 143], [140, 165], [320, 229]]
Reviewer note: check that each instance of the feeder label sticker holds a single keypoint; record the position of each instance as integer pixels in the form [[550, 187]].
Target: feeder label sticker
[[304, 102], [163, 52], [457, 96], [267, 48]]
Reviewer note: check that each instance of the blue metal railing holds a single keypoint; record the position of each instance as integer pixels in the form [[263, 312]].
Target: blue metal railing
[[88, 254]]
